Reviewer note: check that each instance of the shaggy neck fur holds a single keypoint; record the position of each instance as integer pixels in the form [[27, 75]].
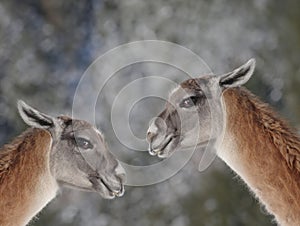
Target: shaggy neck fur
[[26, 184], [264, 152]]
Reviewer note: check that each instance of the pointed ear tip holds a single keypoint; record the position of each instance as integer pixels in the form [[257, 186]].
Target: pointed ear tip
[[252, 62], [20, 104]]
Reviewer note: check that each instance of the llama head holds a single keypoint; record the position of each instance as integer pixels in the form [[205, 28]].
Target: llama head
[[79, 157], [193, 114]]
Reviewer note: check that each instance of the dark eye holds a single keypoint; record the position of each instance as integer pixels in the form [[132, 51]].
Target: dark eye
[[83, 143], [189, 102]]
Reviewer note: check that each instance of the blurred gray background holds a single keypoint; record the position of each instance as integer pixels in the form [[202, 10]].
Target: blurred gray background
[[47, 45]]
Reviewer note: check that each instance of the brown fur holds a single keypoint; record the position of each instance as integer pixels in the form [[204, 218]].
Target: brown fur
[[22, 163], [190, 84], [194, 84], [268, 152]]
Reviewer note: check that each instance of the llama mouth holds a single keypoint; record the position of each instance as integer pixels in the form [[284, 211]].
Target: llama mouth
[[159, 151], [115, 193], [101, 186]]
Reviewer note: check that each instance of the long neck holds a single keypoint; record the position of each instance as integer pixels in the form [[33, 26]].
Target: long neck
[[264, 152], [26, 184]]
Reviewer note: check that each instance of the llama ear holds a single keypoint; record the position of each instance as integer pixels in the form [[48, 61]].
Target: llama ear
[[239, 76], [33, 117]]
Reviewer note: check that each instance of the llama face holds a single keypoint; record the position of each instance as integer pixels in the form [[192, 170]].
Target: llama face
[[87, 163], [194, 113], [79, 157], [187, 112]]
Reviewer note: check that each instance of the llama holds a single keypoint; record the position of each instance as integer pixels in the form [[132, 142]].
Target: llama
[[250, 137], [55, 151]]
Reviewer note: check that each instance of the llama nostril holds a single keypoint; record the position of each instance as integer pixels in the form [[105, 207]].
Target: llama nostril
[[121, 178], [120, 173], [150, 136]]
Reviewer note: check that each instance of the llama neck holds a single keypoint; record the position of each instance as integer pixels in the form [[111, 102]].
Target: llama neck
[[26, 182], [264, 152]]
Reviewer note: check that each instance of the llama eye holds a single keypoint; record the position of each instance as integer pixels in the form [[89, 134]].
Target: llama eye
[[83, 143], [189, 102]]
